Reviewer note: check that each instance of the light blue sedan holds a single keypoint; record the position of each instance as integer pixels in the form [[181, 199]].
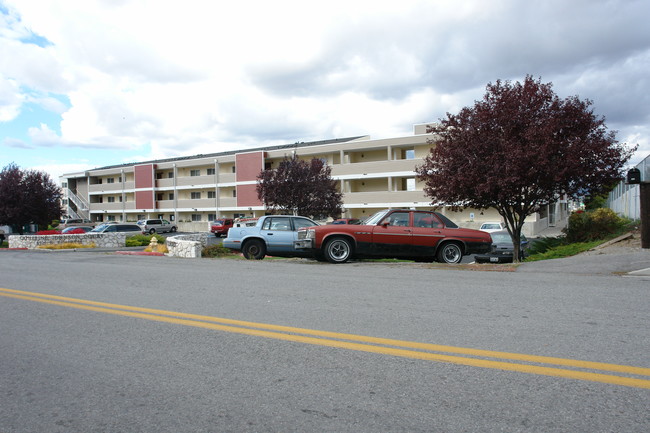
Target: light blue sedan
[[273, 235]]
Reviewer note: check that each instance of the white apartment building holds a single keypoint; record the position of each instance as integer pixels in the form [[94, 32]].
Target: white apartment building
[[191, 191]]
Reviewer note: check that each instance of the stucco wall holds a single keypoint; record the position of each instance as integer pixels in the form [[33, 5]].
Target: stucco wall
[[188, 246], [101, 240]]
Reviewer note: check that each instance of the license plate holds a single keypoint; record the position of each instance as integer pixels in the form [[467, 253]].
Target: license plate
[[494, 259]]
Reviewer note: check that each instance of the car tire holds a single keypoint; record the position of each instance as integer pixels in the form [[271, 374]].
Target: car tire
[[450, 252], [338, 250], [254, 249], [173, 229], [152, 231]]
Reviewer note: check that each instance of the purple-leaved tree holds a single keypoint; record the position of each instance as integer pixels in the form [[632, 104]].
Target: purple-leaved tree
[[28, 197], [518, 148], [300, 187]]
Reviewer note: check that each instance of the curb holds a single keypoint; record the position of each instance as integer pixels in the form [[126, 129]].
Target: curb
[[139, 253]]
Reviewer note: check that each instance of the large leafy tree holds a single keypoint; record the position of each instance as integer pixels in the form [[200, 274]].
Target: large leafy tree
[[28, 197], [301, 188], [518, 148]]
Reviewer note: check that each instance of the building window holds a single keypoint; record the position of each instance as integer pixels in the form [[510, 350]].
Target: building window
[[171, 217], [159, 197], [233, 169], [212, 216], [410, 184], [64, 184], [120, 198], [234, 193], [159, 175], [171, 196], [195, 196], [409, 154], [170, 175], [196, 217], [111, 199], [211, 171], [119, 179], [110, 180], [110, 218], [195, 172], [212, 194]]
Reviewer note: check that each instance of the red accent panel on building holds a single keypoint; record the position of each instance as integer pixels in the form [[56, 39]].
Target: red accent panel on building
[[144, 176], [247, 196], [144, 179], [249, 165], [144, 200]]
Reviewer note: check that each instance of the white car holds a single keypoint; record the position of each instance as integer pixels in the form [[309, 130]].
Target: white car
[[491, 227]]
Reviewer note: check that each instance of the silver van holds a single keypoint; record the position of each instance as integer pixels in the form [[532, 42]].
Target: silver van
[[152, 226]]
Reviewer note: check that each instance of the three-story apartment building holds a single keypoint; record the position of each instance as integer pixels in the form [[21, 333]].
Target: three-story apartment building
[[372, 174]]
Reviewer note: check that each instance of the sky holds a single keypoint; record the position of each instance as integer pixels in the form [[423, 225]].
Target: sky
[[91, 83]]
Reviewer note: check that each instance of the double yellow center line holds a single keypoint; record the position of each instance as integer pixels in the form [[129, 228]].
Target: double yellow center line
[[637, 377]]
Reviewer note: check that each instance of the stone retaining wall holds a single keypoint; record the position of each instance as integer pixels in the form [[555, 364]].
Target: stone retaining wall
[[101, 240], [188, 246]]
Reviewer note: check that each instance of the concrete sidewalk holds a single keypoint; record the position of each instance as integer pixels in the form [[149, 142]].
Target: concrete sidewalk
[[613, 260]]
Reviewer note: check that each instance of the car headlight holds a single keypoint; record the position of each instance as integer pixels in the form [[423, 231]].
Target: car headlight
[[307, 234]]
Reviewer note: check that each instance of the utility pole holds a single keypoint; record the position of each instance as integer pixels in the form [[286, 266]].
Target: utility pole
[[634, 176], [644, 196]]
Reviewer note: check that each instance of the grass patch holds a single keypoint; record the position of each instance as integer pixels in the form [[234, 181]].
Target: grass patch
[[560, 251], [160, 248], [212, 251], [66, 246]]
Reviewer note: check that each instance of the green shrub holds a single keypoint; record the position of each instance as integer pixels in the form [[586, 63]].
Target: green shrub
[[561, 251], [544, 244], [593, 225], [216, 251], [143, 240]]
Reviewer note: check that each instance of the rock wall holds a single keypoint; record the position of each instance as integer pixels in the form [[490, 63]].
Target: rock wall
[[101, 240], [188, 246]]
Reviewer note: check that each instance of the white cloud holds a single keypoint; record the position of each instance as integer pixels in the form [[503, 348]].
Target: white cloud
[[11, 99], [210, 76]]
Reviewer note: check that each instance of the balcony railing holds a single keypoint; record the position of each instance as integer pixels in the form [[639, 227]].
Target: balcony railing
[[110, 188], [400, 198], [112, 207], [360, 169]]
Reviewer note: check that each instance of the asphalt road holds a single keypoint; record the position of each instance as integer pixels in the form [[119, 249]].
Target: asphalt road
[[180, 362]]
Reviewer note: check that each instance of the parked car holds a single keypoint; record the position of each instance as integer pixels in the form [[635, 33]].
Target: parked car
[[152, 226], [502, 250], [75, 222], [76, 229], [394, 233], [113, 228], [490, 227], [346, 221], [272, 234], [220, 227]]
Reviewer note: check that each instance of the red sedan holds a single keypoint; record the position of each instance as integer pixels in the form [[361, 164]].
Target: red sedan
[[394, 233]]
